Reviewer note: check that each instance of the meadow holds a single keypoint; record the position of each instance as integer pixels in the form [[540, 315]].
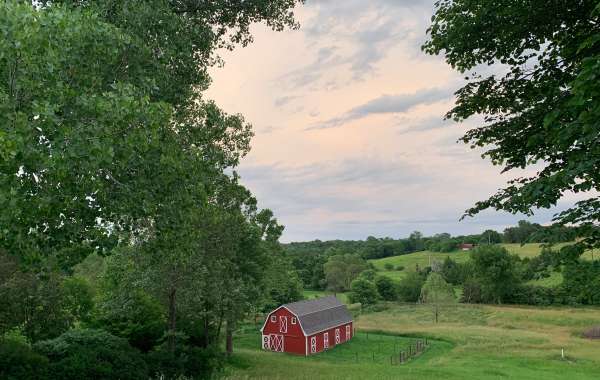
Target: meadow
[[470, 341], [425, 258]]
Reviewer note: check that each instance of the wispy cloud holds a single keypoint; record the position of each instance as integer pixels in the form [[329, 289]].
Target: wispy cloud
[[387, 104]]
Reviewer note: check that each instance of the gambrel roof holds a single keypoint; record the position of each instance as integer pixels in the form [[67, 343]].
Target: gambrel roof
[[320, 314]]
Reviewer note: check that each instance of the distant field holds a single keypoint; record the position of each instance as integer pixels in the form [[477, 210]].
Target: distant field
[[309, 294], [423, 259], [410, 262], [470, 342]]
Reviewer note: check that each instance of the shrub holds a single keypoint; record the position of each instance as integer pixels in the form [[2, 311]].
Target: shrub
[[92, 354], [386, 288], [140, 320], [195, 362], [388, 266], [496, 272], [399, 267], [471, 292], [19, 361], [363, 291], [534, 295]]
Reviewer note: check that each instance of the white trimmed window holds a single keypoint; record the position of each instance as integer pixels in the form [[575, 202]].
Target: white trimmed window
[[293, 320], [347, 332], [273, 318], [326, 340], [313, 344]]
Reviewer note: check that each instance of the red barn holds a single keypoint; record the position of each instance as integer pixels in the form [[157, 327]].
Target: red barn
[[307, 327]]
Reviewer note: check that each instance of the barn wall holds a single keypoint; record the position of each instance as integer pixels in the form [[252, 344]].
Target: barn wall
[[293, 341], [320, 338]]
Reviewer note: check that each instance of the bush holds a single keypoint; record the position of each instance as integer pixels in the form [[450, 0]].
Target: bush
[[386, 288], [471, 292], [92, 354], [534, 295], [399, 267], [140, 320], [363, 291], [409, 288], [19, 361], [496, 272], [388, 266], [195, 362]]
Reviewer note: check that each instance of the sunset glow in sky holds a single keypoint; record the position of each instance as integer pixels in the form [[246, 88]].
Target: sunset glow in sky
[[348, 115]]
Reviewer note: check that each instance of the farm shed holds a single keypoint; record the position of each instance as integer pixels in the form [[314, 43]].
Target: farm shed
[[307, 327]]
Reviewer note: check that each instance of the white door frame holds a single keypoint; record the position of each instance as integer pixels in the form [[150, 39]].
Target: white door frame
[[325, 340]]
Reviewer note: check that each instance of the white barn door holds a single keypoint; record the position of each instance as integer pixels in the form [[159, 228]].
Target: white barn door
[[337, 336], [326, 340]]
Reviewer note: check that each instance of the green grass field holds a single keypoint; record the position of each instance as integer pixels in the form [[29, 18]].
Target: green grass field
[[310, 294], [469, 342], [424, 258]]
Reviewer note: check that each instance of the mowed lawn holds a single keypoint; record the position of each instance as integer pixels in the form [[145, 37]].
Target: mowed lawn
[[424, 258], [469, 342]]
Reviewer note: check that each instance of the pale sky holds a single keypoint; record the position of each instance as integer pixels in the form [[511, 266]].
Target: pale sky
[[350, 138]]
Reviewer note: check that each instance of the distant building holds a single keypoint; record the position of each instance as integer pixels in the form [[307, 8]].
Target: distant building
[[466, 246], [307, 327]]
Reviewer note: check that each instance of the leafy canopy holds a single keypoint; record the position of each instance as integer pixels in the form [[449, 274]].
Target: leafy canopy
[[541, 105]]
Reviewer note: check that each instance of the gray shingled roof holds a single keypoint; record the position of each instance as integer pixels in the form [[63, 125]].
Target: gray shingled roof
[[320, 314]]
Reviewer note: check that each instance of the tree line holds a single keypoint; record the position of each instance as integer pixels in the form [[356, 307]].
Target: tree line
[[309, 258]]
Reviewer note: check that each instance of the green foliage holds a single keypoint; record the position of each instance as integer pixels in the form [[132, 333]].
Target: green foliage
[[581, 282], [409, 288], [92, 354], [363, 291], [495, 271], [282, 283], [368, 274], [437, 292], [388, 266], [42, 305], [386, 288], [453, 272], [341, 270], [18, 361], [135, 316], [542, 108], [194, 362], [491, 237]]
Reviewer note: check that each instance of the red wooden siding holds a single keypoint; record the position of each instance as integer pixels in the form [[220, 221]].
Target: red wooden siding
[[320, 338], [293, 340], [282, 332]]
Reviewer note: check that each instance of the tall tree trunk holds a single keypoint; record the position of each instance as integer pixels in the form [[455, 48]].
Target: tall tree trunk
[[229, 338], [172, 320]]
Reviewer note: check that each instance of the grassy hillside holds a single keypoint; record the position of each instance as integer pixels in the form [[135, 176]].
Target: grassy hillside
[[410, 262], [423, 258], [475, 342], [309, 294]]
